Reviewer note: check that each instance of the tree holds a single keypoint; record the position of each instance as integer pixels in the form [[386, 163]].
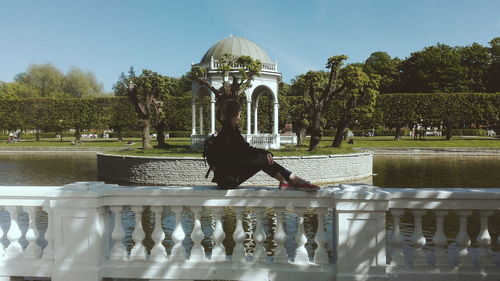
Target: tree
[[237, 74], [493, 72], [46, 79], [382, 64], [357, 98], [475, 59], [434, 69], [122, 115], [321, 87], [80, 84], [146, 92], [16, 90]]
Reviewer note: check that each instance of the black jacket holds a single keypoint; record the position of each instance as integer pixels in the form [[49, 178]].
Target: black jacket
[[232, 153]]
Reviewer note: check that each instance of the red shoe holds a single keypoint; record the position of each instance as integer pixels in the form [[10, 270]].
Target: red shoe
[[287, 186], [306, 186]]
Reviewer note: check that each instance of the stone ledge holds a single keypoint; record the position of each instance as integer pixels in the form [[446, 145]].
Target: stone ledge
[[184, 171]]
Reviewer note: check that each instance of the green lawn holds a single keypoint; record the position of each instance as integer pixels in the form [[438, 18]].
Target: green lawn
[[181, 146]]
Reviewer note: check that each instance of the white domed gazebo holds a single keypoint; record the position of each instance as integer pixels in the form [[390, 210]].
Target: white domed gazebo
[[266, 83]]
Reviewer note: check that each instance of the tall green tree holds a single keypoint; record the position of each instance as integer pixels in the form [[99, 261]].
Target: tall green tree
[[80, 84], [475, 59], [321, 87], [387, 68], [46, 79], [146, 92], [356, 100], [493, 72], [434, 69]]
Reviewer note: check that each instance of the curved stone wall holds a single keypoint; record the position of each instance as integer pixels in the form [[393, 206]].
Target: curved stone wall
[[320, 169]]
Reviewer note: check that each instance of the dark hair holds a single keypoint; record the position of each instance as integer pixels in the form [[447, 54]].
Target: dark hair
[[230, 109]]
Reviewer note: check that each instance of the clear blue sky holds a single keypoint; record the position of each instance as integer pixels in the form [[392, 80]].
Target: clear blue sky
[[107, 36]]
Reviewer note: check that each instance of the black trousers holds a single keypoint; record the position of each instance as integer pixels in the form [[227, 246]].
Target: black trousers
[[251, 165]]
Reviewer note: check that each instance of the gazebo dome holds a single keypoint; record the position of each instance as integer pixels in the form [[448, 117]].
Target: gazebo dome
[[236, 46]]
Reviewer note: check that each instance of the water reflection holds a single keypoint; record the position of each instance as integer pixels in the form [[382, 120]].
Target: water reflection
[[430, 171], [54, 168]]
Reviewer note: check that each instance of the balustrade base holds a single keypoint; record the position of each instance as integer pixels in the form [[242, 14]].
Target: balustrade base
[[223, 271], [443, 273]]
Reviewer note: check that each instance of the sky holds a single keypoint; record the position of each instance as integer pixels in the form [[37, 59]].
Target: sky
[[108, 36]]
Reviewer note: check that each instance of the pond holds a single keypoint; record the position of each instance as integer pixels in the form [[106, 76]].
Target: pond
[[414, 171]]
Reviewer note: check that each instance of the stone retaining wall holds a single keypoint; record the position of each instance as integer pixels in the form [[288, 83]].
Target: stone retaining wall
[[191, 171]]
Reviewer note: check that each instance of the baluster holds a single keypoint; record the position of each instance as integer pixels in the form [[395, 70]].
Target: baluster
[[48, 251], [321, 255], [462, 239], [14, 250], [484, 240], [418, 239], [118, 252], [301, 255], [138, 252], [260, 253], [178, 252], [439, 239], [33, 251], [396, 238], [2, 248], [218, 252], [280, 254], [158, 252], [239, 254], [197, 252]]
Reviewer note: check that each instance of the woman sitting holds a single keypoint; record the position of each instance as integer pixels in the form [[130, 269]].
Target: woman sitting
[[238, 161]]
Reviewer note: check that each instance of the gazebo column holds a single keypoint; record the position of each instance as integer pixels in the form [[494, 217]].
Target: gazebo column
[[255, 118], [275, 125], [193, 116], [212, 116], [249, 117], [201, 117]]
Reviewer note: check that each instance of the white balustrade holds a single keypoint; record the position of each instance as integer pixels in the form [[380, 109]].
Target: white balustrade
[[418, 239], [197, 252], [14, 250], [463, 239], [280, 254], [158, 252], [484, 240], [178, 252], [218, 251], [321, 254], [440, 241], [301, 255], [118, 251], [260, 253], [33, 251], [138, 252], [396, 239], [92, 215], [239, 252]]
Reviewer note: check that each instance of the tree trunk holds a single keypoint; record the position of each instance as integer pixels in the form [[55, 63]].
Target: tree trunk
[[339, 134], [448, 132], [78, 135], [160, 136], [301, 136], [398, 133], [37, 134], [119, 132], [316, 131], [146, 142]]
